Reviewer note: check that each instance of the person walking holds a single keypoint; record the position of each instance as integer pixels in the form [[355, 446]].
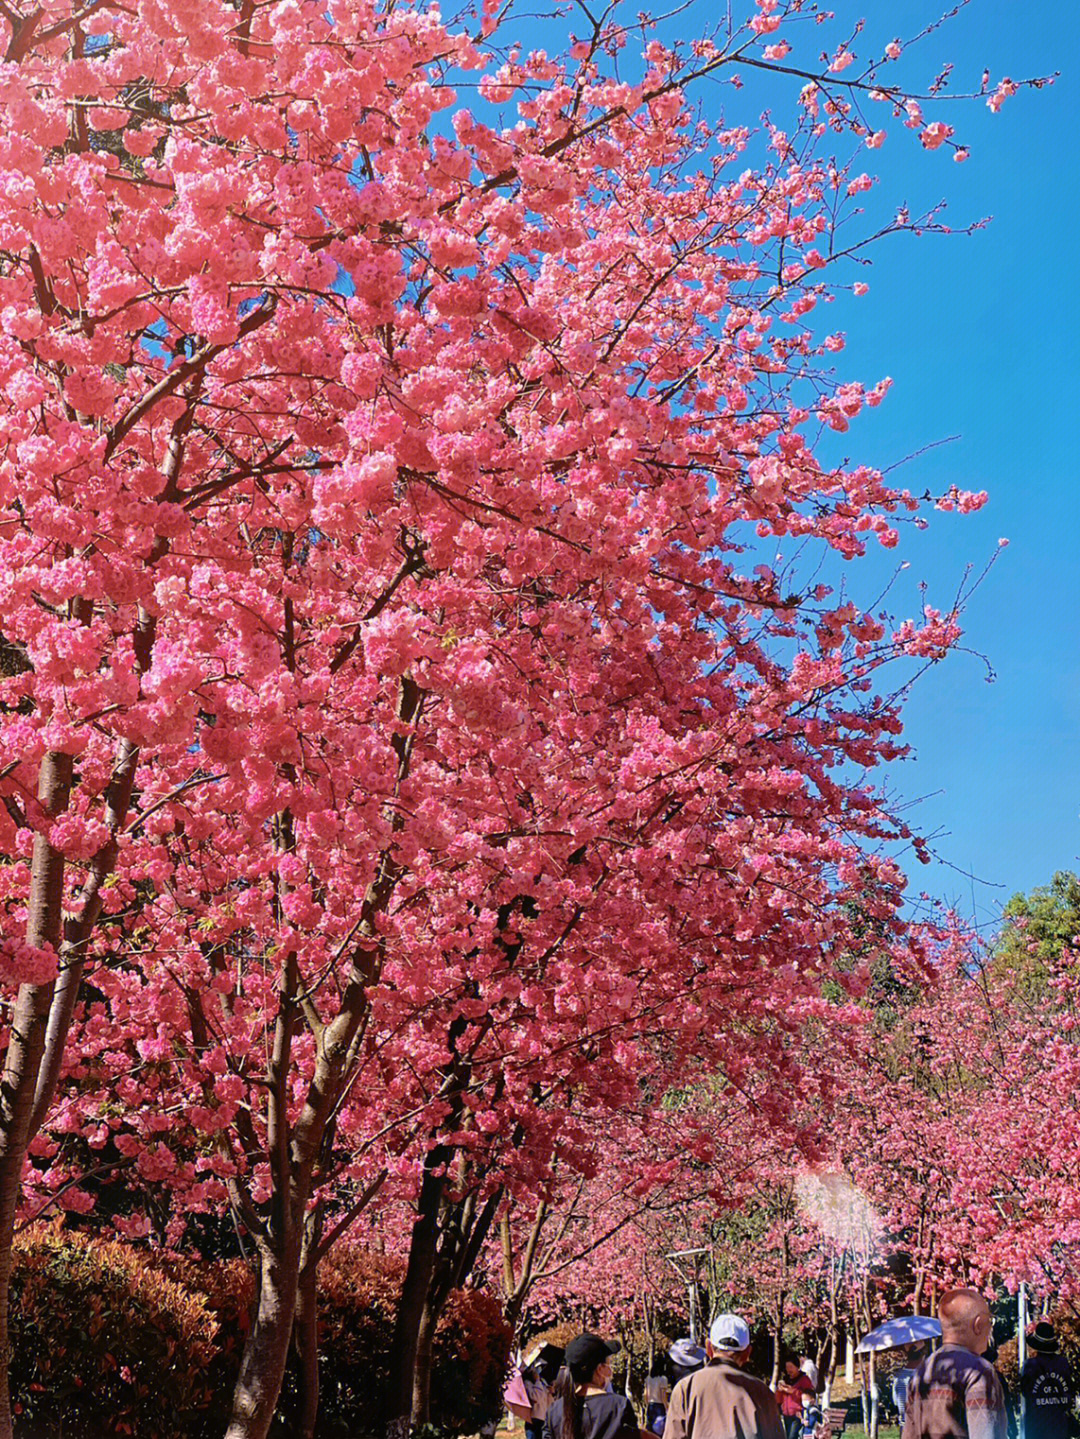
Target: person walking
[[1047, 1388], [901, 1380], [539, 1392], [795, 1389], [582, 1406], [954, 1393], [720, 1401], [686, 1358], [657, 1394]]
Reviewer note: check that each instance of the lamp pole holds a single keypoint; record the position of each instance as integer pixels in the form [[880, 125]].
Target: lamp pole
[[1021, 1348], [690, 1280]]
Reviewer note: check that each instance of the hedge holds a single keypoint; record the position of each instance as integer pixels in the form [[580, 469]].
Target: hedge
[[104, 1342], [358, 1296], [111, 1339]]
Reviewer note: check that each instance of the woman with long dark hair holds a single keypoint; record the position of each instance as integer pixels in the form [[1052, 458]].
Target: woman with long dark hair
[[657, 1394], [583, 1407]]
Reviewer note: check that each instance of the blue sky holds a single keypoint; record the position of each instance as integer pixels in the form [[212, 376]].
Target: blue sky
[[980, 335]]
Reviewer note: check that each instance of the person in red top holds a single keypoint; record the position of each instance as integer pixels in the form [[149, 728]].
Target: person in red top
[[790, 1391]]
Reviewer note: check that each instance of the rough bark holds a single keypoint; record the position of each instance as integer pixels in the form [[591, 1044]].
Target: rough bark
[[777, 1342], [306, 1329], [414, 1295], [425, 1345], [262, 1365]]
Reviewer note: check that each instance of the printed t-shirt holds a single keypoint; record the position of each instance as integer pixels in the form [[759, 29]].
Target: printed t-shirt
[[1046, 1386], [955, 1394]]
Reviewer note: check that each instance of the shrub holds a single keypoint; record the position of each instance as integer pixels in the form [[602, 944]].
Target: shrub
[[104, 1343], [472, 1351], [227, 1288], [110, 1339], [358, 1295]]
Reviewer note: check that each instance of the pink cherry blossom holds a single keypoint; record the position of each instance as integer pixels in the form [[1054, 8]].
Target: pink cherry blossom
[[935, 135]]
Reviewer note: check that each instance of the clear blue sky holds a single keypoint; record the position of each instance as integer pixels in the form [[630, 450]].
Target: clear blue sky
[[980, 335]]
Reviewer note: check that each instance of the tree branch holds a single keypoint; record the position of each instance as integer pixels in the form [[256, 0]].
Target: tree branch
[[171, 382]]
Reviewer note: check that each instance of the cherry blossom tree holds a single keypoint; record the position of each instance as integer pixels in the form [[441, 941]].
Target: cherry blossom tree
[[399, 716], [983, 1123]]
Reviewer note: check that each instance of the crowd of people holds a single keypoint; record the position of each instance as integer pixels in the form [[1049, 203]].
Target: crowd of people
[[706, 1392]]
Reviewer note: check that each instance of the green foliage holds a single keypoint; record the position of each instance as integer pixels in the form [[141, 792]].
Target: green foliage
[[110, 1339], [103, 1342], [1037, 928]]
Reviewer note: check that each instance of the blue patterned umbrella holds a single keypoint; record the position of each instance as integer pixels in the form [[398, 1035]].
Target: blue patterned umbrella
[[894, 1332]]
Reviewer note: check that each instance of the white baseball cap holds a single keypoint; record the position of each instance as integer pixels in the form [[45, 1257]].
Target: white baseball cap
[[728, 1331]]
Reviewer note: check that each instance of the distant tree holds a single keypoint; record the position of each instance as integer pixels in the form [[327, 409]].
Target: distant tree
[[1037, 926]]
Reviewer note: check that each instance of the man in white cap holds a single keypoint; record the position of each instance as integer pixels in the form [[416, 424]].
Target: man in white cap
[[720, 1401]]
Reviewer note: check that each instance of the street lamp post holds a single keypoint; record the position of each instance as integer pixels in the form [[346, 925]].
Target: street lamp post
[[1021, 1348], [690, 1281]]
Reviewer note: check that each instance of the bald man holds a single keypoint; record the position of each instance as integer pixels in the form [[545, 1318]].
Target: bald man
[[955, 1393]]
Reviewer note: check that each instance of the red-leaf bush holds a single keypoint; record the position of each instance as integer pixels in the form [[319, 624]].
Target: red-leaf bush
[[109, 1339], [358, 1294], [105, 1343]]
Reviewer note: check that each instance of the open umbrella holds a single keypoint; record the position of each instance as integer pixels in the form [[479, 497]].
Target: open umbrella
[[907, 1330], [516, 1397], [547, 1360]]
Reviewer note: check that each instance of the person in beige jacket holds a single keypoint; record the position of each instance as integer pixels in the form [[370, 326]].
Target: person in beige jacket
[[720, 1401]]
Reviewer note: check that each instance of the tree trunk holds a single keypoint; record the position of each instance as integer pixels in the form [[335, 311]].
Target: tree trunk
[[462, 1230], [776, 1345], [778, 1340], [262, 1366], [834, 1339], [414, 1297], [425, 1346], [26, 1044], [519, 1288], [872, 1390], [19, 1083], [306, 1342]]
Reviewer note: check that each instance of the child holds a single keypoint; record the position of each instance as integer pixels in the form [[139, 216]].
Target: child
[[811, 1422]]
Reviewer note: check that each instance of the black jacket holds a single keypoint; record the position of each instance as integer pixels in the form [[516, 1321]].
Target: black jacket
[[1048, 1392]]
